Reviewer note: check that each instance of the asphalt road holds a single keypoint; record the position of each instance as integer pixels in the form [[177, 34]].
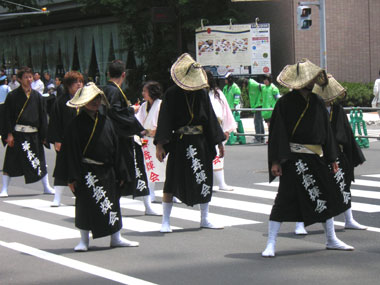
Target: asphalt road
[[37, 241]]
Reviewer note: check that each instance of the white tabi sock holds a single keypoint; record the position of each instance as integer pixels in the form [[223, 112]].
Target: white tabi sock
[[47, 187], [273, 229], [84, 241], [300, 229], [151, 186], [57, 196], [350, 221], [332, 241], [205, 223], [167, 209], [4, 189], [148, 207], [118, 241], [219, 181]]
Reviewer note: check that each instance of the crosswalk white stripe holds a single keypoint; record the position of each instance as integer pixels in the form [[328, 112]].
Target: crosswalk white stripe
[[131, 224], [371, 229], [188, 214], [251, 192], [363, 182], [362, 207], [365, 194], [75, 264], [36, 228], [372, 175], [241, 205]]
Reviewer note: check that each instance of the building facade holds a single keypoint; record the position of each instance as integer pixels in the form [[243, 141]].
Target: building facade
[[69, 39]]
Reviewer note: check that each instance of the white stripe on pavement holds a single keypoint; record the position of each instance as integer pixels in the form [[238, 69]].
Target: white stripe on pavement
[[188, 214], [36, 228], [372, 175], [362, 207], [363, 182], [251, 192], [131, 224], [74, 264], [371, 229]]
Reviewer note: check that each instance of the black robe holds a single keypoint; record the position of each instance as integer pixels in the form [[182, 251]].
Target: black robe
[[27, 156], [60, 117], [97, 194], [127, 125], [349, 156], [189, 172], [304, 193]]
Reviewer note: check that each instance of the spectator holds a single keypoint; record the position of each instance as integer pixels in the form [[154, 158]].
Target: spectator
[[4, 89], [47, 81], [14, 83], [37, 83]]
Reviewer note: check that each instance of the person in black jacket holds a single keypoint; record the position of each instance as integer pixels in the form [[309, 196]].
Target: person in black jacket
[[301, 144], [188, 131], [25, 132]]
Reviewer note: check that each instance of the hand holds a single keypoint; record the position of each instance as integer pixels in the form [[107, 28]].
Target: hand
[[10, 140], [136, 108], [121, 183], [72, 186], [57, 146], [334, 167], [160, 152], [221, 150], [276, 169], [227, 134]]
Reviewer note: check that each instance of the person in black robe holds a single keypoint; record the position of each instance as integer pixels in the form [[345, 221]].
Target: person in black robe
[[129, 131], [95, 169], [60, 117], [349, 155], [188, 130], [349, 152], [301, 143], [25, 128]]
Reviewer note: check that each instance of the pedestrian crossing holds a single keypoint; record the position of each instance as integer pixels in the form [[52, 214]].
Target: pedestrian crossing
[[245, 206]]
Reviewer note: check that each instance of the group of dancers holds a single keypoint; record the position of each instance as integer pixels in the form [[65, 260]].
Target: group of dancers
[[107, 148]]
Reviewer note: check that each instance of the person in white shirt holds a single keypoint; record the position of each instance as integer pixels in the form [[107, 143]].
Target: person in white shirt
[[4, 89], [37, 84], [14, 83]]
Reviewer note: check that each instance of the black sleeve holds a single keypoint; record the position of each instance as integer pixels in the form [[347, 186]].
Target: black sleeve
[[165, 124]]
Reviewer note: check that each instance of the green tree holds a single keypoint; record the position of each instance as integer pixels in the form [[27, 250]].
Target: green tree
[[159, 44]]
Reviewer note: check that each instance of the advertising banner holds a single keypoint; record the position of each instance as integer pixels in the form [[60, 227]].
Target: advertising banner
[[239, 49]]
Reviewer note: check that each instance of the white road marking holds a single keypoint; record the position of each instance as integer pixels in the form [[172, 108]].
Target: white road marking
[[188, 214], [131, 224], [74, 264], [36, 228]]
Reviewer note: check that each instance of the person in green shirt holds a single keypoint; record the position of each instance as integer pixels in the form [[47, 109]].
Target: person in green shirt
[[262, 96], [232, 92]]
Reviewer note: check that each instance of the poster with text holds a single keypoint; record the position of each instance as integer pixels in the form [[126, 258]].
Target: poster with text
[[239, 49]]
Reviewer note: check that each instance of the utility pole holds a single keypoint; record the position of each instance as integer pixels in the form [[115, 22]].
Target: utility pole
[[321, 4]]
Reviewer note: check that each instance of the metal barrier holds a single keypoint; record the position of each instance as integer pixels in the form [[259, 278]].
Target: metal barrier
[[356, 120]]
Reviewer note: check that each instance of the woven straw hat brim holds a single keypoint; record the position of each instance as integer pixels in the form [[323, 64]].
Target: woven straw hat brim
[[331, 91], [301, 74], [188, 74], [85, 95]]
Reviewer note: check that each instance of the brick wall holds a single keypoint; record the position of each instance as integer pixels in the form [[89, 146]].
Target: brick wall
[[353, 39]]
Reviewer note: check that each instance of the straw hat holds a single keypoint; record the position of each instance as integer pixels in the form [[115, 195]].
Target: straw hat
[[85, 95], [188, 74], [301, 74], [331, 91]]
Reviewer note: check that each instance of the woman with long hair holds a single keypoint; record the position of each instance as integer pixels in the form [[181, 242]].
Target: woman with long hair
[[227, 123]]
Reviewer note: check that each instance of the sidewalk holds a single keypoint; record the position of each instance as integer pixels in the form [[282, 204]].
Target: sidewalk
[[372, 121], [370, 118]]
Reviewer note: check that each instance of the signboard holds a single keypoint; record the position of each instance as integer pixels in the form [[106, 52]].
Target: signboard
[[239, 49]]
